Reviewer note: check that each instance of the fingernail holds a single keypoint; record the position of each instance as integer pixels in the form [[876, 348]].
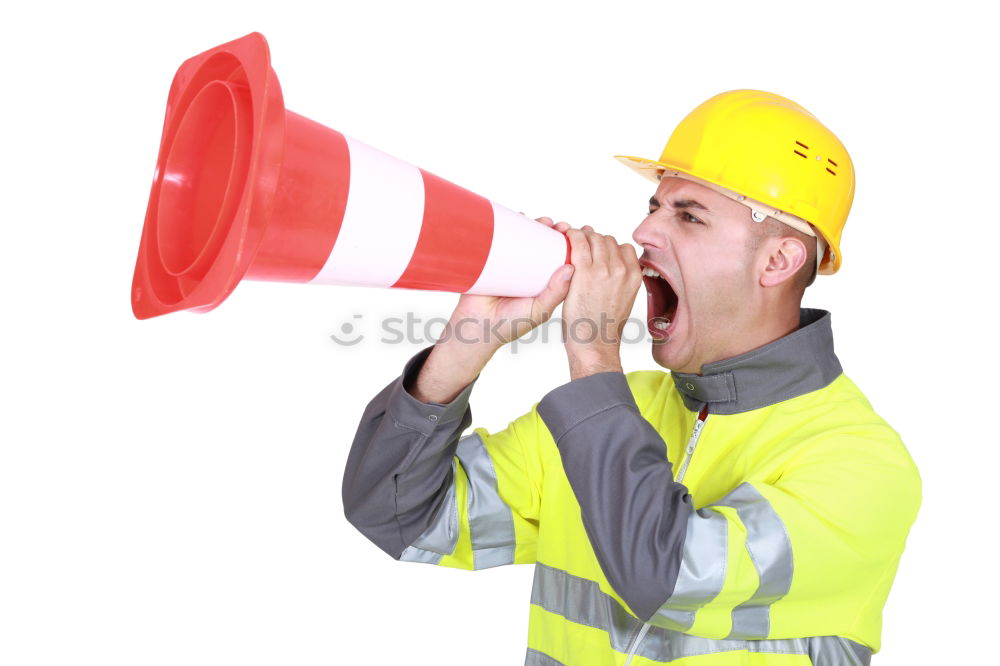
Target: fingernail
[[568, 273]]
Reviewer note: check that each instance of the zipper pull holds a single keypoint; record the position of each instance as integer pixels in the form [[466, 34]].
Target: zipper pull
[[695, 434], [696, 431], [692, 442]]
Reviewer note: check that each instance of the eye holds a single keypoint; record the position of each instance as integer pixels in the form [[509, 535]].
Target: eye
[[688, 217]]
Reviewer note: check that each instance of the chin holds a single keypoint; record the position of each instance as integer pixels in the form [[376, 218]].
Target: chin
[[666, 357], [676, 356]]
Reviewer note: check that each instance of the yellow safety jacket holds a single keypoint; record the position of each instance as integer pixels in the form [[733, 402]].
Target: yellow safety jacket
[[753, 514]]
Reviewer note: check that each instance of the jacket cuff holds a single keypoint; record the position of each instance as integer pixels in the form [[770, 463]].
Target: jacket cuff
[[565, 407], [424, 417]]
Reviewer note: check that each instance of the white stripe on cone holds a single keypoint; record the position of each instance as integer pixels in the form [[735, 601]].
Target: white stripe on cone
[[522, 258], [382, 220]]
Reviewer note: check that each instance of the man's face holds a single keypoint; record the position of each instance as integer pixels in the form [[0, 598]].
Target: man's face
[[699, 242]]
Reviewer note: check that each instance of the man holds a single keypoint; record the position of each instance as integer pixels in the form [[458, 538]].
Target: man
[[747, 508]]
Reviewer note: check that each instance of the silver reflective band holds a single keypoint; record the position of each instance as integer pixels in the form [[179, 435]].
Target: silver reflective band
[[702, 572], [822, 650], [771, 552], [491, 523], [582, 601], [441, 537], [536, 658]]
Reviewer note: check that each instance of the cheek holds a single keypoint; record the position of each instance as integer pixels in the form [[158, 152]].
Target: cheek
[[717, 287]]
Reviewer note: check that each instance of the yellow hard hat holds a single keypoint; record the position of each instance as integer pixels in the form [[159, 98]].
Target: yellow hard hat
[[767, 149]]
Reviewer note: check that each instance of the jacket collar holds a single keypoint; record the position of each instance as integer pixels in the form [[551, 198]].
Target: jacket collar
[[801, 362]]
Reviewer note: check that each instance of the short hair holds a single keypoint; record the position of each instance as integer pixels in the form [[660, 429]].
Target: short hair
[[772, 228]]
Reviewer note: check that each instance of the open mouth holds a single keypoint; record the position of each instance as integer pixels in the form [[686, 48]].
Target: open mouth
[[661, 304]]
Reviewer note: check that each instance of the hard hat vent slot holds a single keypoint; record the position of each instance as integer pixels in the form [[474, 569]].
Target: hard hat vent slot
[[799, 154], [802, 144], [831, 161], [831, 171]]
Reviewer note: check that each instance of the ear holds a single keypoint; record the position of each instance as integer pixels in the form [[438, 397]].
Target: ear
[[785, 256]]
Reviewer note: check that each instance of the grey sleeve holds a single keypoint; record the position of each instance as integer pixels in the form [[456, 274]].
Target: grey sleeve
[[399, 468], [634, 513]]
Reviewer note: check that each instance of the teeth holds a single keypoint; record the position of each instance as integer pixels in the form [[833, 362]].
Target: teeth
[[662, 325], [649, 272]]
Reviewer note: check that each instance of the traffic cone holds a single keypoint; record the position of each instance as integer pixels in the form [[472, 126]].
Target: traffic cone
[[244, 188]]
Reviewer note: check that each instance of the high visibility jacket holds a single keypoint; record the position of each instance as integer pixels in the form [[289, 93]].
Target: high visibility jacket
[[752, 514]]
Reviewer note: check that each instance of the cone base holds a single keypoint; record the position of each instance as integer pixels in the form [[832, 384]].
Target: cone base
[[222, 139]]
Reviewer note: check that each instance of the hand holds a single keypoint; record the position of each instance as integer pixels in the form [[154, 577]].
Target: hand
[[497, 320], [479, 326], [599, 301]]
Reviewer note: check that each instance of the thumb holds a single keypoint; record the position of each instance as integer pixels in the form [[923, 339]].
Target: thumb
[[555, 291]]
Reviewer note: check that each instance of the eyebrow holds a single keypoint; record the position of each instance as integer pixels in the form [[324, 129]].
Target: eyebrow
[[680, 203]]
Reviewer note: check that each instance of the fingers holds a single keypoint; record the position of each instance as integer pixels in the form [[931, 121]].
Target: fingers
[[599, 247], [589, 248], [608, 255], [631, 262], [628, 255], [554, 293], [558, 226], [580, 254], [549, 222]]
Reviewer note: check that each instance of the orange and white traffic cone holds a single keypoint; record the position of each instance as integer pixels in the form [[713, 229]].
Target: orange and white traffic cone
[[247, 189]]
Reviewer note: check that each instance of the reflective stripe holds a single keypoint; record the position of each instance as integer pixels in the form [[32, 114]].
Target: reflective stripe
[[702, 573], [536, 658], [665, 646], [491, 523], [582, 601], [441, 537], [839, 651], [771, 552]]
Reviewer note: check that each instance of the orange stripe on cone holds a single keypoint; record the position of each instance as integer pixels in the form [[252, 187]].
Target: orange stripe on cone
[[443, 259], [310, 202]]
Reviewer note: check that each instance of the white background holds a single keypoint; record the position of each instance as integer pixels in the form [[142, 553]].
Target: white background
[[170, 489]]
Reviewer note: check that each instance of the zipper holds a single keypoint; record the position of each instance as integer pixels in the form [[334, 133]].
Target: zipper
[[688, 452], [635, 642], [692, 442]]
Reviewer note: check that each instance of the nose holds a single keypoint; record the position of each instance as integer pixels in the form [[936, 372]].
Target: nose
[[647, 235]]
